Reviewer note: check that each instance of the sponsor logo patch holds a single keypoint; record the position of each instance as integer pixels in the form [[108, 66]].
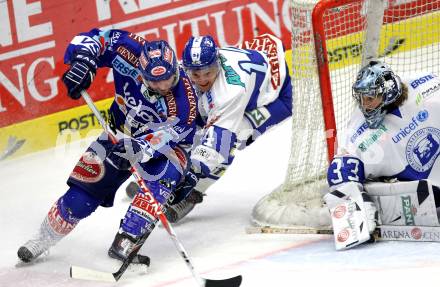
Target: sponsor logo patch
[[413, 125], [171, 105], [125, 68], [258, 116], [154, 53], [426, 94], [137, 38], [89, 168], [267, 44], [343, 235], [339, 211], [416, 233], [143, 61], [375, 135], [359, 131], [57, 222], [114, 37], [231, 75], [158, 71], [191, 100], [407, 210], [144, 205], [168, 55], [128, 56], [420, 81]]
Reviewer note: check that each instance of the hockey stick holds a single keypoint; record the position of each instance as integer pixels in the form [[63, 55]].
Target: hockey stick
[[381, 233], [12, 147], [83, 273]]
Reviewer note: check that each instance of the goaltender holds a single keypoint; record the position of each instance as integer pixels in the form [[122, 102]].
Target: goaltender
[[386, 171]]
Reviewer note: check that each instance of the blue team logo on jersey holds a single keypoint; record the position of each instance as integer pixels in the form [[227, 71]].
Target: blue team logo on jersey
[[422, 116], [423, 149]]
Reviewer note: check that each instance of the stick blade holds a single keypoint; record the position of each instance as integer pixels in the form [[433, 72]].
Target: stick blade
[[230, 282], [82, 273]]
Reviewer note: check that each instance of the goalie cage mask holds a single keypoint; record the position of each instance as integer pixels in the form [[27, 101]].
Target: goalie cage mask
[[376, 80]]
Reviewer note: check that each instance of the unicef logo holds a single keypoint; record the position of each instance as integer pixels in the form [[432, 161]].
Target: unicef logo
[[422, 115], [422, 148]]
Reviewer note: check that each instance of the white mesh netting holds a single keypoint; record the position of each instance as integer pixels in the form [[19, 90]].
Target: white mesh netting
[[408, 40]]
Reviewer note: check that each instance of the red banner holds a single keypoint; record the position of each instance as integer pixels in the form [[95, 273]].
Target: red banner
[[35, 34]]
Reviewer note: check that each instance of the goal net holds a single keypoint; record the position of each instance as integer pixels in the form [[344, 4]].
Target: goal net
[[330, 41]]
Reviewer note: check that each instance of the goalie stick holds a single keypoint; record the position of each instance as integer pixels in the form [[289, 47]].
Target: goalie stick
[[381, 233], [90, 274]]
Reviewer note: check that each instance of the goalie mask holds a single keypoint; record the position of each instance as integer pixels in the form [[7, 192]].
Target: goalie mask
[[158, 66], [376, 87]]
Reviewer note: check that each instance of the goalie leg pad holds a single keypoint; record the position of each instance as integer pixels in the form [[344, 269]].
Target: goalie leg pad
[[406, 203], [353, 215]]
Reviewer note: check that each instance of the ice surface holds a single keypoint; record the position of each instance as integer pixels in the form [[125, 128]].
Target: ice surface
[[213, 234]]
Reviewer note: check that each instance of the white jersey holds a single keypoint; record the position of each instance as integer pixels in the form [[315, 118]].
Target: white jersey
[[407, 143], [247, 79]]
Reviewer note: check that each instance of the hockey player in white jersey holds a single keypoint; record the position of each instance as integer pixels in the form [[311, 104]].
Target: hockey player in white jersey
[[386, 171], [242, 92]]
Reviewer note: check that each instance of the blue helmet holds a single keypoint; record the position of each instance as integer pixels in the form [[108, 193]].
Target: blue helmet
[[157, 61], [199, 52], [376, 80]]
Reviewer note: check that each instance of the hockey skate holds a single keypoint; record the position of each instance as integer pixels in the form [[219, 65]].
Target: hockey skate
[[33, 249], [176, 212], [122, 246], [40, 243]]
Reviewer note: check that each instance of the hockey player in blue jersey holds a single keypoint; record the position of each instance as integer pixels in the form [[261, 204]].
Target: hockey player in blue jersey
[[153, 112], [387, 171], [242, 93]]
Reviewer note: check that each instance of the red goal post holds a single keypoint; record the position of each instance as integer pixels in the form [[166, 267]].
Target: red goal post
[[330, 41]]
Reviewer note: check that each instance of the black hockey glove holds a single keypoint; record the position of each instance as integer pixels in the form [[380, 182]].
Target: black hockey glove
[[80, 74], [129, 151], [184, 189]]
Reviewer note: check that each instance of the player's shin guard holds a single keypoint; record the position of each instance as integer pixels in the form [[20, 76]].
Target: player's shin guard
[[140, 218], [56, 225]]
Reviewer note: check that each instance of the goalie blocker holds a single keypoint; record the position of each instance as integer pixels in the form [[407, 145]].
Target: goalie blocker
[[407, 211]]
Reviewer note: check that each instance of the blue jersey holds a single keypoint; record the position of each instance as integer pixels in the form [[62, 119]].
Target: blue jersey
[[137, 110]]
